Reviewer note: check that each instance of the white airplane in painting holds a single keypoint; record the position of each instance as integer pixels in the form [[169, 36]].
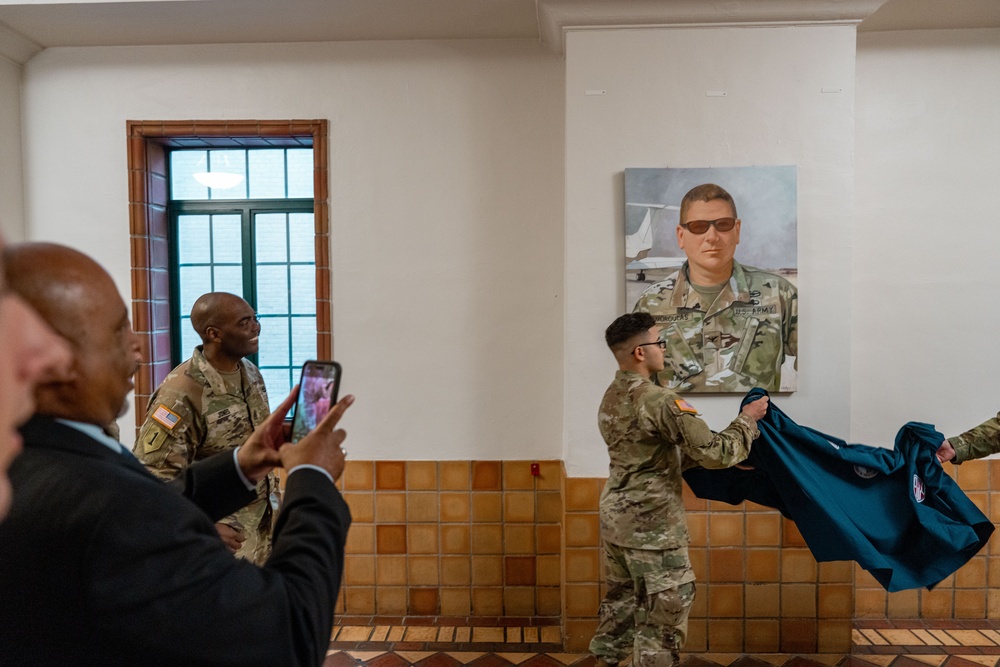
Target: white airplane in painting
[[638, 245]]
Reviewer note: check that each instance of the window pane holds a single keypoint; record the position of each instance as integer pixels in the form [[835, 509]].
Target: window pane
[[211, 254], [188, 337], [278, 383], [302, 235], [227, 241], [183, 166], [192, 239], [303, 292], [272, 290], [270, 230], [300, 172], [229, 162], [229, 279], [267, 173], [194, 281], [273, 341], [303, 339]]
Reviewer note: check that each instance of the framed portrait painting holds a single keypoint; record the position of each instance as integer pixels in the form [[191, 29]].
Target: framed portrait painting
[[711, 254]]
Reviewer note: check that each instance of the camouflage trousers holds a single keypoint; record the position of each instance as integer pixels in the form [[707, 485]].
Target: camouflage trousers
[[646, 608], [255, 523], [256, 547]]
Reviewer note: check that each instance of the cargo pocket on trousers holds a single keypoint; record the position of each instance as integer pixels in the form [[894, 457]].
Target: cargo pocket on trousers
[[669, 595]]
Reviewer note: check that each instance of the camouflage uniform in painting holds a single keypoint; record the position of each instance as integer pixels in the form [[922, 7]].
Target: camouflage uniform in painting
[[737, 343], [192, 415], [652, 435], [977, 442]]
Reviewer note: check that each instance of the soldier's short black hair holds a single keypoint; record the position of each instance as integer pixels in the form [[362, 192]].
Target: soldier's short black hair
[[627, 327]]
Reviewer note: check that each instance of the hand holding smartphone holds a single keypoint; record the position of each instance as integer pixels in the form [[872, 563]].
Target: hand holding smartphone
[[318, 391]]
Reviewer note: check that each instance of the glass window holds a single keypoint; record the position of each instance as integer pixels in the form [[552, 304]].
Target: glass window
[[227, 241], [270, 237], [229, 169], [189, 339], [259, 243], [272, 290], [267, 174], [303, 340], [183, 166], [302, 288], [300, 172], [194, 281], [274, 342], [242, 173], [301, 244], [194, 239]]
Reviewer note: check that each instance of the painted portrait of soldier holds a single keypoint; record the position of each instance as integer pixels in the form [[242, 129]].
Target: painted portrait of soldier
[[711, 254]]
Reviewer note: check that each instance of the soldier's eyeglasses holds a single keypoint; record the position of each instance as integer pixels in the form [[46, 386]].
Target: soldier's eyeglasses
[[661, 343], [699, 227]]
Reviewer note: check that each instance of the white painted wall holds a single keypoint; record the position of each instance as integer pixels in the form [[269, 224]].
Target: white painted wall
[[11, 198], [446, 211], [927, 237], [447, 193], [655, 113]]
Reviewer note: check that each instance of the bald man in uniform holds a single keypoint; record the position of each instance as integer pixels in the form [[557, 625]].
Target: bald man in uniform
[[211, 403]]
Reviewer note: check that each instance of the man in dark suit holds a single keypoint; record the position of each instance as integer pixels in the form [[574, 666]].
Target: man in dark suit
[[28, 350], [103, 564]]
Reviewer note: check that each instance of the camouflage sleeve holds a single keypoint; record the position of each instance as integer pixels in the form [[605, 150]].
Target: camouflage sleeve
[[700, 446], [170, 436], [978, 442]]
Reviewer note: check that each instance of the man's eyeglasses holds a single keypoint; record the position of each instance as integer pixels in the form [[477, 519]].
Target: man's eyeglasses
[[661, 343], [699, 227]]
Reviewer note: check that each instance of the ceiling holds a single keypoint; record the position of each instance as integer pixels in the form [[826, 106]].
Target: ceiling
[[29, 26]]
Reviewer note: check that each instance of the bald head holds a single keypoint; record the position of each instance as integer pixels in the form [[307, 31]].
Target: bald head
[[62, 284], [78, 299], [228, 328], [214, 309]]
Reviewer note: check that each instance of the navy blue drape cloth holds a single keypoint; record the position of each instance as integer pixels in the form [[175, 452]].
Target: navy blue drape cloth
[[894, 511]]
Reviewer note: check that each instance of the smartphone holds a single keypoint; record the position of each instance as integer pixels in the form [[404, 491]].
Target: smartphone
[[318, 391]]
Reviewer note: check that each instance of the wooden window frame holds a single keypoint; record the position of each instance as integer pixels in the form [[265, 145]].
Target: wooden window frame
[[149, 232]]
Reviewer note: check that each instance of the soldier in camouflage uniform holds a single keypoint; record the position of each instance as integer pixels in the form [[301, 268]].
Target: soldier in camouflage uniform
[[975, 443], [211, 403], [652, 435], [728, 327]]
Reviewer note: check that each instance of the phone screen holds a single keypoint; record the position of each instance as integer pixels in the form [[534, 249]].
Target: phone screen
[[317, 394]]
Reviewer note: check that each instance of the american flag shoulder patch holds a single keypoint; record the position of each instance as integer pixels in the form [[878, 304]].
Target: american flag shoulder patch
[[684, 406], [165, 417]]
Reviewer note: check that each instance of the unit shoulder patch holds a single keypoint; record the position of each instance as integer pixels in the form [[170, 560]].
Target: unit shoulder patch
[[154, 439]]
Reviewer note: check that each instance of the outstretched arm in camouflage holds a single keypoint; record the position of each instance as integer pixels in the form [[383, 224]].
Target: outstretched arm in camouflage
[[977, 442], [756, 409], [945, 452]]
